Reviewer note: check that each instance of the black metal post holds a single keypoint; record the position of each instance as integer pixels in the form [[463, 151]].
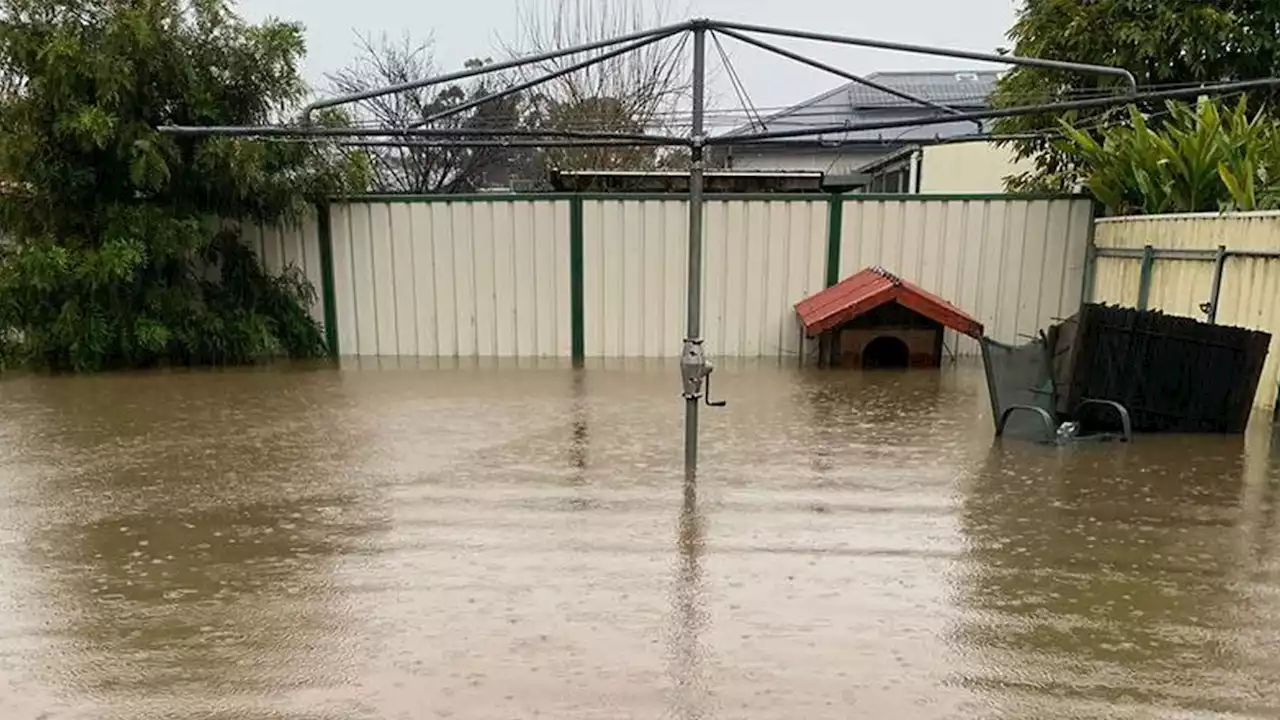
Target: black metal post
[[1219, 264], [1144, 276]]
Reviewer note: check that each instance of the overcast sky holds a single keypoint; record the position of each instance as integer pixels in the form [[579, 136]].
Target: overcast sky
[[467, 28]]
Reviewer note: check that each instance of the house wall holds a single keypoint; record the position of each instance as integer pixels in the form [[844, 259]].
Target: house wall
[[833, 161], [1249, 292], [972, 167], [561, 276]]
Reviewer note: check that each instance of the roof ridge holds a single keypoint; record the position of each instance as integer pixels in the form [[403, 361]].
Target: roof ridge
[[936, 71], [846, 88], [798, 106], [884, 273], [874, 286]]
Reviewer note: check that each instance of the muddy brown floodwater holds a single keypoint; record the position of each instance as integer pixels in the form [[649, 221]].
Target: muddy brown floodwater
[[494, 542]]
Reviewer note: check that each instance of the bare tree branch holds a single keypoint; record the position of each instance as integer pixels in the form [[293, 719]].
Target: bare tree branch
[[635, 92], [427, 169]]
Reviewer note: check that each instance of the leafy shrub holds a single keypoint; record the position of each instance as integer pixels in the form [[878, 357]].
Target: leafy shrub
[[1204, 158]]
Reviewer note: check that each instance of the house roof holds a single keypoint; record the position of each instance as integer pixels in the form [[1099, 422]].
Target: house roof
[[854, 102], [963, 88], [870, 288]]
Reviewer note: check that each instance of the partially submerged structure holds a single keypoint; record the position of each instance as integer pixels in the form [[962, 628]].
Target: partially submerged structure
[[1106, 371], [1174, 374], [1127, 370], [875, 319]]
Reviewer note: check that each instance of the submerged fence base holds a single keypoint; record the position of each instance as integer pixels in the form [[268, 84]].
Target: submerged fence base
[[1127, 370]]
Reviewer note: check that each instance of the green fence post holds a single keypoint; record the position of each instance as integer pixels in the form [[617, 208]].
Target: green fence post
[[1090, 255], [577, 321], [1144, 279], [325, 233], [835, 224], [1090, 268], [1215, 292]]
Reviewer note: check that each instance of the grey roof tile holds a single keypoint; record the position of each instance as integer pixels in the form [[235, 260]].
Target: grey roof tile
[[854, 103]]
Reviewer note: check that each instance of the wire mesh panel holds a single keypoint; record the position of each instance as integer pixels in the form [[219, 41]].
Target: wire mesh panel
[[1020, 376]]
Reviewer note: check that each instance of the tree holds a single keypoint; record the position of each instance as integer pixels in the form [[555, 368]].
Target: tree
[[635, 92], [422, 168], [116, 254], [1161, 43]]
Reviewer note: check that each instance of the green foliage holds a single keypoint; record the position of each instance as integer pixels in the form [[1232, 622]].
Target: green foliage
[[1204, 158], [113, 255], [1161, 43]]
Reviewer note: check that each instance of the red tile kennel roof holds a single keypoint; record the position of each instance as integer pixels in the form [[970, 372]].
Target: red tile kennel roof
[[871, 288]]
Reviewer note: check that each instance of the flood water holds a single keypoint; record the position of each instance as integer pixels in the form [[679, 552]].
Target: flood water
[[422, 542]]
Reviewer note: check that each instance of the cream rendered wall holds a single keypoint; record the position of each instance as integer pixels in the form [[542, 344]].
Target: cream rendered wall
[[972, 167]]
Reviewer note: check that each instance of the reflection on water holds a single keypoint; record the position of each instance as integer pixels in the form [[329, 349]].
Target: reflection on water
[[688, 613], [1117, 579], [489, 541]]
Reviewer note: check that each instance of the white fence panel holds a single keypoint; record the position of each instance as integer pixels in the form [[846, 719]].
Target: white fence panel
[[452, 278], [760, 257], [492, 277], [295, 244], [634, 265], [1014, 264]]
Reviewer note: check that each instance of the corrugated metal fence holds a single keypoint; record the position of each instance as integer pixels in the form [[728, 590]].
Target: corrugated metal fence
[[761, 257], [604, 275], [299, 246], [1016, 265], [1220, 268], [452, 279]]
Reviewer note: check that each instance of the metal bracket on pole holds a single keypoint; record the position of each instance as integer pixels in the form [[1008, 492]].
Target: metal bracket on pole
[[695, 368]]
